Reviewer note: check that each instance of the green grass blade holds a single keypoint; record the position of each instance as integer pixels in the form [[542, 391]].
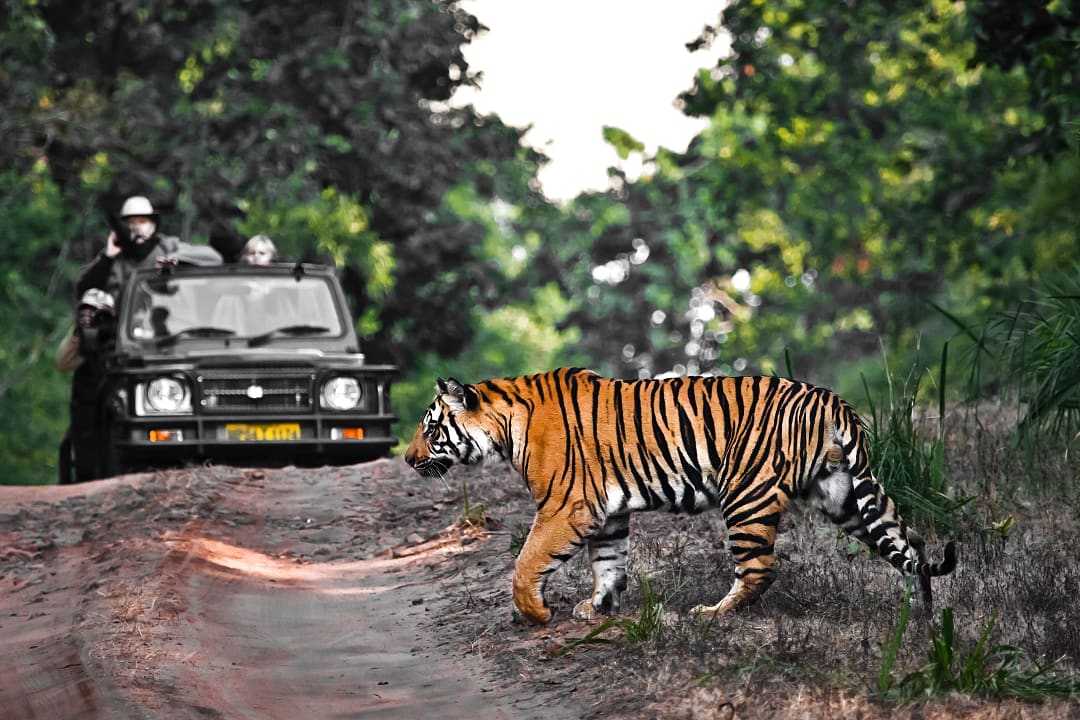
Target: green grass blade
[[869, 400], [892, 646], [593, 637], [963, 327], [941, 390]]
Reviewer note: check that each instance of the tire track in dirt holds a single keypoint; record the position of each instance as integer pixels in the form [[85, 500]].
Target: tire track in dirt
[[275, 640], [219, 593], [41, 670]]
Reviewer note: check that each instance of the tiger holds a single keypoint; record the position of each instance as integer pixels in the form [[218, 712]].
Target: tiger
[[593, 449]]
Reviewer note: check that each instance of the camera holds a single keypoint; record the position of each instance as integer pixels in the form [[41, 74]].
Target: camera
[[95, 321]]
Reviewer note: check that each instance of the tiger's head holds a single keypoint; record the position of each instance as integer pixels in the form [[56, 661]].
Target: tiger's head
[[451, 431]]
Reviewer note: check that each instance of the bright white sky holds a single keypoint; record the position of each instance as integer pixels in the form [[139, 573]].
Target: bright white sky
[[567, 68]]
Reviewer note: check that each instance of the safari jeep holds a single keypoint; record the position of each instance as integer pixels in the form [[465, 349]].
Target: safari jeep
[[239, 364]]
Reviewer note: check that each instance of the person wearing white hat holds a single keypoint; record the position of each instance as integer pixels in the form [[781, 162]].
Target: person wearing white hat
[[95, 308], [137, 244], [80, 352], [141, 221], [134, 243]]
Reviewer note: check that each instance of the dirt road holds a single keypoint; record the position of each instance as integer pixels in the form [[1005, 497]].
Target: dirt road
[[217, 592], [352, 593]]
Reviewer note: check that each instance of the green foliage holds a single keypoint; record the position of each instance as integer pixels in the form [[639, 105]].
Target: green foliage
[[649, 623], [1041, 349], [34, 225], [860, 158], [518, 536], [891, 647], [623, 142], [593, 637], [1031, 352], [472, 514], [35, 417], [1001, 671], [909, 465], [1042, 37], [324, 128], [647, 626], [1002, 528], [513, 340]]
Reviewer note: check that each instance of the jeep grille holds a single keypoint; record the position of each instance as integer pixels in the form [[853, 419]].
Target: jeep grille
[[258, 391]]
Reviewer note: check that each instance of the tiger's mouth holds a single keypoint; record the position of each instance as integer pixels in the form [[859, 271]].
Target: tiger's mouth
[[432, 467]]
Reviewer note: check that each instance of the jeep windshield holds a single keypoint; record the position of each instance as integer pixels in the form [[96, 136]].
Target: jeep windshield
[[173, 308]]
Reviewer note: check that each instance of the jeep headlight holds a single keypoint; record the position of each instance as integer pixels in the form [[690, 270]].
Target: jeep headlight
[[341, 393], [163, 396]]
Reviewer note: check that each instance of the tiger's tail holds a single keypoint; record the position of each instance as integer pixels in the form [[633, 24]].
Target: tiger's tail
[[882, 527]]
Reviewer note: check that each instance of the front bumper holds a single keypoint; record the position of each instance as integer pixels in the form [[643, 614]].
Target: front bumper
[[206, 438]]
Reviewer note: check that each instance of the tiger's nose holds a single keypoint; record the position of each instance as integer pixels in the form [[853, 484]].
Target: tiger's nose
[[410, 457]]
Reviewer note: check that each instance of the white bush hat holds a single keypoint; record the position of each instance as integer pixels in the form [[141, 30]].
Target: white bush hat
[[99, 300], [137, 205]]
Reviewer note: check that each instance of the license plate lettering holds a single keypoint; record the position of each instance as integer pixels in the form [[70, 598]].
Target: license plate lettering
[[262, 432]]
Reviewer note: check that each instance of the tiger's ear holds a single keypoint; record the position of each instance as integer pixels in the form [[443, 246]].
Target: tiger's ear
[[458, 395]]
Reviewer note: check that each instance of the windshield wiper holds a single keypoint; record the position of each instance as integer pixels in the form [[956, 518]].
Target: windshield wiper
[[198, 331], [287, 331]]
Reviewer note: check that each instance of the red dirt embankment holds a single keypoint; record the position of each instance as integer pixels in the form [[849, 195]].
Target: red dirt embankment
[[228, 593]]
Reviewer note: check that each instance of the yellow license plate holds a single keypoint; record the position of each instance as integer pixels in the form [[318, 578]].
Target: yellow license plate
[[257, 432]]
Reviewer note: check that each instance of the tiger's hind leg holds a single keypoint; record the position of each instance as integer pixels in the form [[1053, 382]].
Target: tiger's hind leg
[[608, 549], [752, 524], [552, 541]]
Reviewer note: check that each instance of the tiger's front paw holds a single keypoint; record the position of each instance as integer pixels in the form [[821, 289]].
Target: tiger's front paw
[[542, 617], [585, 610]]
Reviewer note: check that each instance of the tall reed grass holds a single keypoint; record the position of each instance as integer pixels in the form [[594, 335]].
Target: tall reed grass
[[907, 459]]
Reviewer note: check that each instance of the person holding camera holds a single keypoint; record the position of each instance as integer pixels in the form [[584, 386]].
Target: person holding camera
[[80, 353], [135, 243], [95, 326]]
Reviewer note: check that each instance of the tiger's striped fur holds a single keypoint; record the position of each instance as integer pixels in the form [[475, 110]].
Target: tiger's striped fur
[[592, 450]]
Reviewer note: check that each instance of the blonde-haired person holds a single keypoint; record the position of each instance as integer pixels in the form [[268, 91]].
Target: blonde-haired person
[[259, 250]]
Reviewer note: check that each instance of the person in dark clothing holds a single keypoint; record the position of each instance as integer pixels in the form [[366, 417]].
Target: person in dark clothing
[[145, 247], [141, 246], [95, 323]]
